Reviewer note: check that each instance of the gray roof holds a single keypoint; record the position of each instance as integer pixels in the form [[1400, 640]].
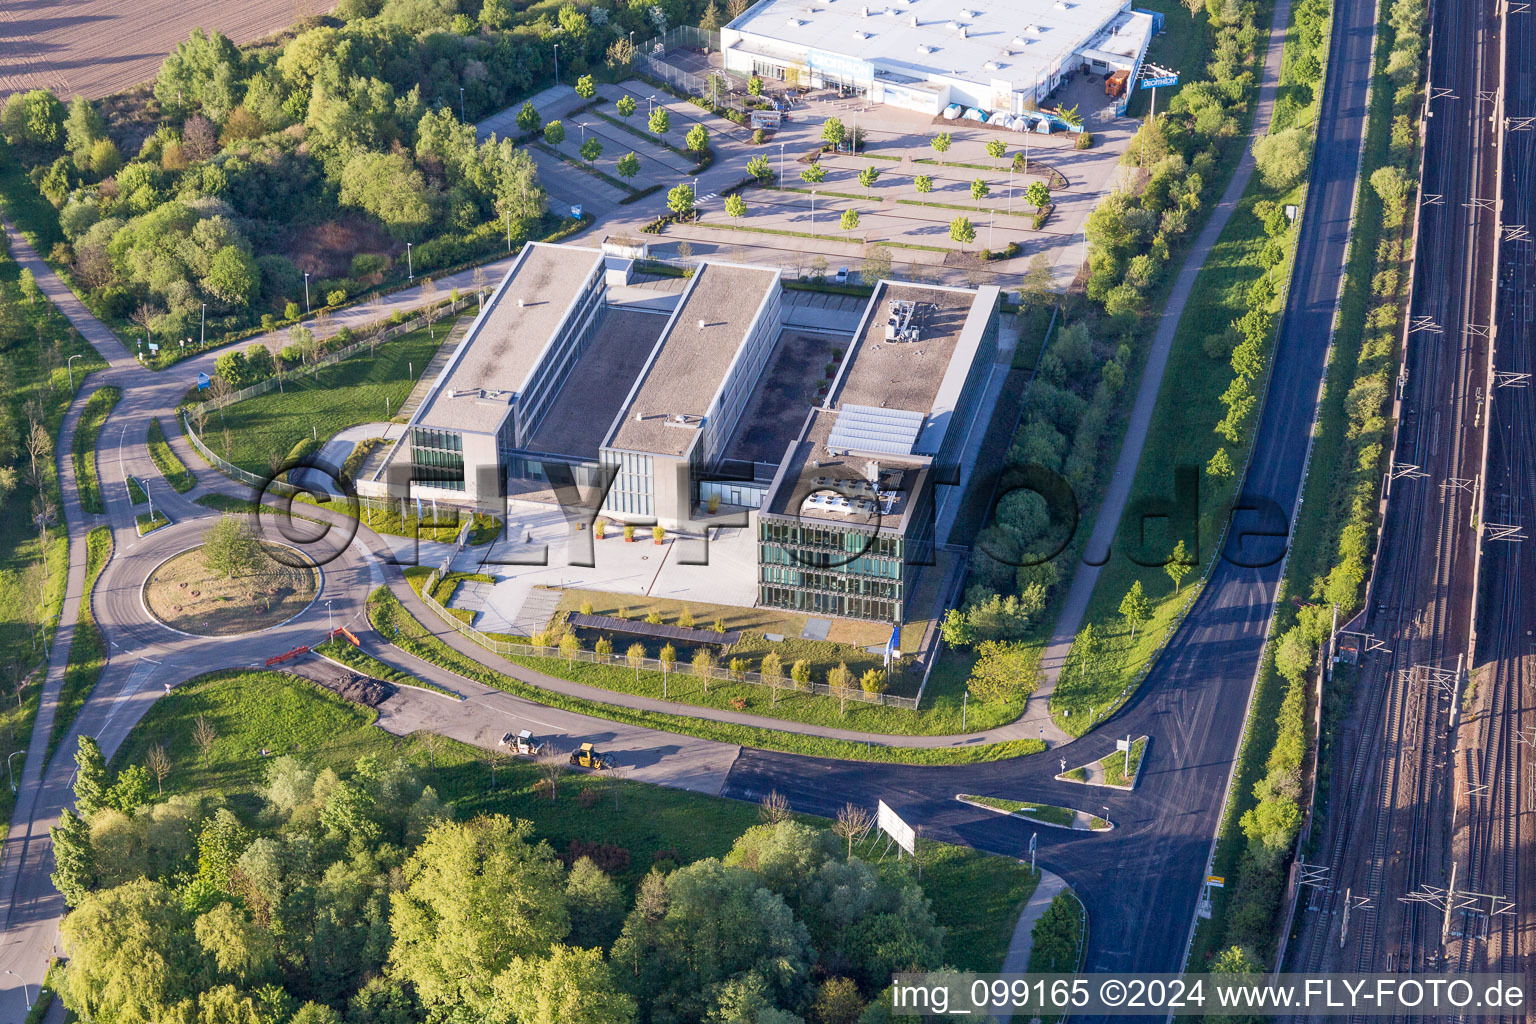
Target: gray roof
[[504, 345], [690, 363]]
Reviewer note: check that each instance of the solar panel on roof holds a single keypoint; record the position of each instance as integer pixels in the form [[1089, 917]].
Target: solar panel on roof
[[866, 428]]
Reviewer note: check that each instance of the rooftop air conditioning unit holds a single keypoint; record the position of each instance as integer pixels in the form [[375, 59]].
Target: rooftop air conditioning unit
[[962, 31], [990, 65], [912, 21], [952, 25], [702, 324], [521, 303]]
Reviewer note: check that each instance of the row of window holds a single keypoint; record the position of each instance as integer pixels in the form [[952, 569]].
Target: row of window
[[814, 558], [842, 605], [446, 440], [806, 535], [632, 489], [831, 582]]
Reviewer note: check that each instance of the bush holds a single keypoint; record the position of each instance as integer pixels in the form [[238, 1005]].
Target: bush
[[1085, 140]]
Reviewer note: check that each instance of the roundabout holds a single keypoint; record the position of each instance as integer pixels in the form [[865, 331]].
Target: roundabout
[[186, 593]]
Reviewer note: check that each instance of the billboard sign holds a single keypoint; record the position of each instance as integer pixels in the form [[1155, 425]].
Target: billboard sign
[[891, 824], [1159, 83]]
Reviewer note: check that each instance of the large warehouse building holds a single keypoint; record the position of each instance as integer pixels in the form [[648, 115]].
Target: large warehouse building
[[709, 408], [1000, 56]]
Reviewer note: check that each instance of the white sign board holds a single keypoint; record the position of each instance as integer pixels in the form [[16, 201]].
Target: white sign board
[[891, 824]]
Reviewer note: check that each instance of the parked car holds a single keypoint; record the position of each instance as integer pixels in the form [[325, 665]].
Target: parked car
[[842, 275]]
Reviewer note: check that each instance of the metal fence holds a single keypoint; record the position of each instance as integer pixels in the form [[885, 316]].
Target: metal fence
[[650, 59], [510, 649]]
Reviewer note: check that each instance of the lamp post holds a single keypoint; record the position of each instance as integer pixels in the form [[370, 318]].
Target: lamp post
[[328, 626], [557, 63], [70, 366], [461, 103], [781, 163], [306, 293], [650, 102], [410, 271], [813, 207], [202, 330], [25, 994], [9, 773]]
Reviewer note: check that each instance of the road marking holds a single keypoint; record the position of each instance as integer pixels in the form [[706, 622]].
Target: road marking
[[139, 677]]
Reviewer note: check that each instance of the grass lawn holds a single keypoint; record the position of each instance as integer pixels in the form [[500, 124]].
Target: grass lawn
[[1116, 772], [97, 407], [976, 896], [136, 493], [186, 593], [940, 714], [399, 627], [88, 652], [378, 519], [166, 460], [361, 389], [1044, 814]]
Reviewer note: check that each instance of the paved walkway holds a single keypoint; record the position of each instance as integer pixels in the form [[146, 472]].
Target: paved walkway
[[1118, 494], [1016, 961]]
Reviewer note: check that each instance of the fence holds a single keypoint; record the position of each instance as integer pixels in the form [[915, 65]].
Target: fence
[[373, 336], [650, 59], [512, 649]]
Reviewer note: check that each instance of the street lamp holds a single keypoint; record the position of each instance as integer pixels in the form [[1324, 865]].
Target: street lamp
[[306, 293], [781, 163], [25, 994], [10, 774], [328, 613], [410, 271], [202, 330], [461, 103], [649, 103], [557, 63], [70, 366]]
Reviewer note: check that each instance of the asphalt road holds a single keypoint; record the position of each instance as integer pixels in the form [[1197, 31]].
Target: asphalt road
[[1140, 882]]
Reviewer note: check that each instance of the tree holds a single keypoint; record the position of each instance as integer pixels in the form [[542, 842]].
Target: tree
[[941, 143], [659, 121], [205, 736], [1193, 6], [980, 189], [130, 791], [706, 927], [833, 132], [1003, 671], [635, 655], [868, 176], [704, 665], [591, 150], [877, 263], [872, 681], [963, 231], [1134, 607], [800, 673], [585, 87], [554, 762], [232, 277], [475, 896], [1086, 648], [628, 165], [33, 118], [625, 105], [242, 951], [680, 201], [74, 859], [771, 670], [392, 188], [837, 1002], [132, 954], [231, 547], [1220, 465], [697, 139], [554, 133], [570, 646], [668, 658], [1070, 116], [923, 183], [596, 904], [735, 205], [1179, 564], [852, 824], [839, 681], [1281, 157], [90, 777], [528, 118], [997, 149], [1391, 184], [1038, 194], [849, 220], [814, 174], [565, 986], [760, 169]]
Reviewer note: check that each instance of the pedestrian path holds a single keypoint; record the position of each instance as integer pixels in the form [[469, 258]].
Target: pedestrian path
[[1016, 961], [435, 366]]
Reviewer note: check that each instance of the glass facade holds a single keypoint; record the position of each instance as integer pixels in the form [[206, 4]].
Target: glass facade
[[633, 485], [437, 458], [830, 569]]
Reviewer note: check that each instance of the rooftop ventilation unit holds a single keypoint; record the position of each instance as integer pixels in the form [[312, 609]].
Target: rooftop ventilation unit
[[912, 21], [795, 23], [905, 320], [962, 36], [864, 11], [922, 48], [860, 35], [952, 25], [521, 303], [703, 324], [990, 65]]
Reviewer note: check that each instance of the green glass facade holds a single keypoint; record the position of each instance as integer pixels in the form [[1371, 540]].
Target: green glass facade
[[829, 569]]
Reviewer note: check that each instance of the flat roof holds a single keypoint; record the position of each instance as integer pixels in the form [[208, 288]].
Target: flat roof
[[1016, 41], [579, 416], [900, 395], [504, 345], [690, 363], [775, 415]]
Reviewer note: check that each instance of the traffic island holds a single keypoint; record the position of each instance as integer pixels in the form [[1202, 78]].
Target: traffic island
[[187, 593], [1039, 814], [1119, 770]]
